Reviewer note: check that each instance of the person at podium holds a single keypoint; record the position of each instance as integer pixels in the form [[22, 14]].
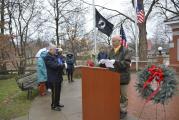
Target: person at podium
[[121, 59]]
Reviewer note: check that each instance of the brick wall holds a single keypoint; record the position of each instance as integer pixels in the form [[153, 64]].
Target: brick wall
[[173, 51]]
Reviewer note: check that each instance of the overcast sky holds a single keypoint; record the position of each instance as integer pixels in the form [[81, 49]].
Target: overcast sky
[[120, 5], [123, 6]]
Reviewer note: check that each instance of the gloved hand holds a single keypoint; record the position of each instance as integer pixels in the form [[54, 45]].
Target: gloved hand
[[102, 61], [59, 61], [112, 61], [65, 65]]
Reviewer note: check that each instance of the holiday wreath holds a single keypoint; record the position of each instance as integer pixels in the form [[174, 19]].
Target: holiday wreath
[[156, 83]]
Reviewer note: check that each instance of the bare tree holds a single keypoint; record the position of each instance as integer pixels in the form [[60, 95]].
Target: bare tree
[[75, 30], [161, 37], [5, 44], [142, 27], [149, 6], [59, 10], [20, 13], [2, 53]]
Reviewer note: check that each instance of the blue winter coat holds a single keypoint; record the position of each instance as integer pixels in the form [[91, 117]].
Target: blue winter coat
[[41, 68], [61, 61], [102, 55], [54, 69]]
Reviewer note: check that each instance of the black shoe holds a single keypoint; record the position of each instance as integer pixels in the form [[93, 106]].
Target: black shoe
[[123, 115], [56, 108], [60, 105]]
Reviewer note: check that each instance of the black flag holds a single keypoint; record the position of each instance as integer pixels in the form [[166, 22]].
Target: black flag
[[103, 25]]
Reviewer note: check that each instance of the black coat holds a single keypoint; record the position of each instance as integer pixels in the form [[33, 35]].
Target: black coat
[[70, 61], [54, 70]]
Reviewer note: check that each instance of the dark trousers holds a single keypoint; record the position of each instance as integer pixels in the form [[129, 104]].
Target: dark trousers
[[47, 85], [70, 75], [56, 91]]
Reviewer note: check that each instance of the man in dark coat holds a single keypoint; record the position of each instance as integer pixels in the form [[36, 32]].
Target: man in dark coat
[[54, 76], [122, 60]]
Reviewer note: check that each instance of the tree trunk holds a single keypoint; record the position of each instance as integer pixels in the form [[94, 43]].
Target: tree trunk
[[2, 16], [3, 66], [21, 70], [143, 47], [22, 66]]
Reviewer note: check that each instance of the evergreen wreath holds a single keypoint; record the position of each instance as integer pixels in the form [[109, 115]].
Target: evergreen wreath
[[156, 83]]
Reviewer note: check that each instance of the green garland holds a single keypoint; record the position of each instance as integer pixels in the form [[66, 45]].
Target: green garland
[[167, 86]]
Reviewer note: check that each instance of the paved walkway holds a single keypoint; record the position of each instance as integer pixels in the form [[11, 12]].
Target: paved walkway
[[71, 98]]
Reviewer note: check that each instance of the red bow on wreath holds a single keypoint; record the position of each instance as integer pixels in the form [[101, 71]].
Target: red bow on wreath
[[156, 74]]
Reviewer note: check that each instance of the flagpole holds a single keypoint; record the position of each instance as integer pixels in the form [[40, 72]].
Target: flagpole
[[137, 37], [94, 25]]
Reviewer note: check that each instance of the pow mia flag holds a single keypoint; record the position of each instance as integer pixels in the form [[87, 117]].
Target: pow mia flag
[[103, 25]]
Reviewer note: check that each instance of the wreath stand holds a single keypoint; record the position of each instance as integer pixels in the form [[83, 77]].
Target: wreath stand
[[141, 112]]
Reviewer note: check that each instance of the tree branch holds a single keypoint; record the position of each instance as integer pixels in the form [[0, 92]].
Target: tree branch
[[175, 5], [168, 9], [111, 10], [150, 9]]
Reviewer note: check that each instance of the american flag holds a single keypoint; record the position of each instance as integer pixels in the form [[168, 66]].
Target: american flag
[[123, 36], [140, 12]]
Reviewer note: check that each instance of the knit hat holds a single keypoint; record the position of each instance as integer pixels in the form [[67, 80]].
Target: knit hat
[[60, 49]]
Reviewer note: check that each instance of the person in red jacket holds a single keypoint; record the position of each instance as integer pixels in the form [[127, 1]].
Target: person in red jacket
[[90, 62]]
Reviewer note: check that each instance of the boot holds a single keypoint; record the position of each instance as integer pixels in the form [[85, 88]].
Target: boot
[[42, 89]]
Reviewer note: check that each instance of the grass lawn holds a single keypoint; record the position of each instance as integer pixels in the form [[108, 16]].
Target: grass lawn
[[13, 101]]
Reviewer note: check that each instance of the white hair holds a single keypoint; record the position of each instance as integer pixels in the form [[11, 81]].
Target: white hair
[[51, 46]]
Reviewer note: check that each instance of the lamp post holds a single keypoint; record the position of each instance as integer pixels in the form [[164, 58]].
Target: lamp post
[[160, 58], [160, 50]]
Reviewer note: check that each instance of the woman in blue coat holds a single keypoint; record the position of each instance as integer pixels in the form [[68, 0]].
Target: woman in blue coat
[[41, 73]]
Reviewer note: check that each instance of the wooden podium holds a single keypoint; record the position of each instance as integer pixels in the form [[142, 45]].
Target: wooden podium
[[100, 94]]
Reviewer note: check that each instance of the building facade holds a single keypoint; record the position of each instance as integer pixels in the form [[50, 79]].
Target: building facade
[[174, 45]]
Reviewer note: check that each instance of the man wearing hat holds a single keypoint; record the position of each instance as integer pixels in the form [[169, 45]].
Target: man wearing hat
[[70, 66], [121, 59]]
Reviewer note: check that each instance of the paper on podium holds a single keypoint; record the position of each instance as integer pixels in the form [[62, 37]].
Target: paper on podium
[[108, 63]]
